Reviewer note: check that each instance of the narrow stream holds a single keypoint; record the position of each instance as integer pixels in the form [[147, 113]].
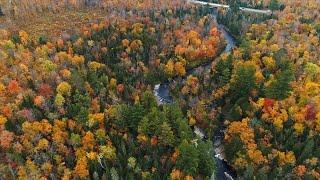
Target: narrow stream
[[162, 92]]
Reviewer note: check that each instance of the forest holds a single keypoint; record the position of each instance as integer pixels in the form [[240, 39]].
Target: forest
[[82, 87]]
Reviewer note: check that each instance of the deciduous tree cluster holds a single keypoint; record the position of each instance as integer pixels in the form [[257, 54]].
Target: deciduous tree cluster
[[82, 106]]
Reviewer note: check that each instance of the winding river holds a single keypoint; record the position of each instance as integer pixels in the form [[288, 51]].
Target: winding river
[[162, 92]]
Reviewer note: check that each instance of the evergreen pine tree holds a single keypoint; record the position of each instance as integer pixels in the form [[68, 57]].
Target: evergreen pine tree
[[184, 131], [243, 81], [166, 136], [274, 5], [188, 159], [280, 88], [307, 150], [207, 165]]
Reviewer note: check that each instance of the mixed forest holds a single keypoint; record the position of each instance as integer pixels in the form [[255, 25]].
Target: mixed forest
[[81, 104]]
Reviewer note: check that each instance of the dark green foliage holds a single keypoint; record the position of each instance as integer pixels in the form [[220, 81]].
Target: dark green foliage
[[43, 40], [16, 38], [232, 147], [79, 108], [238, 109], [234, 5], [235, 113], [243, 81], [206, 165], [152, 77], [27, 102], [131, 115], [233, 21], [184, 130], [262, 174], [275, 173], [223, 70], [188, 159], [237, 21], [148, 100], [307, 151], [97, 81], [289, 138], [226, 75], [281, 57], [248, 173], [166, 136], [151, 122], [245, 45], [306, 20], [280, 88], [82, 115], [70, 161], [173, 114], [274, 5], [317, 27], [77, 80]]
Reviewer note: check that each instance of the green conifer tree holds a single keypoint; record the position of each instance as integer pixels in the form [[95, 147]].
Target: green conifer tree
[[166, 136]]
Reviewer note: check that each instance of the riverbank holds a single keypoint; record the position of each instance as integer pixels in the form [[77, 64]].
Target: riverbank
[[162, 92]]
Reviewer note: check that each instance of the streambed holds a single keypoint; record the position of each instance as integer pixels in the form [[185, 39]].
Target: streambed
[[162, 92]]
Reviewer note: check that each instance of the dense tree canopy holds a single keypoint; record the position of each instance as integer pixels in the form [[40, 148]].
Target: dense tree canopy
[[82, 105]]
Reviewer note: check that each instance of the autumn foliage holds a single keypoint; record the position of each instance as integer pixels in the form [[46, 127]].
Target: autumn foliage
[[80, 106], [266, 94]]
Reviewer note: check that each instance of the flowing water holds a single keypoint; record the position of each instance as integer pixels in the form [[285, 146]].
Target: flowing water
[[162, 92]]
